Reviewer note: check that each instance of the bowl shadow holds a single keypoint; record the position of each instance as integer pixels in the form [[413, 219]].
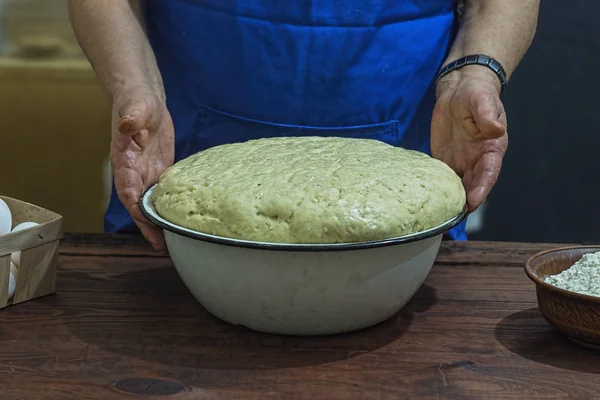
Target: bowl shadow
[[527, 334], [168, 326]]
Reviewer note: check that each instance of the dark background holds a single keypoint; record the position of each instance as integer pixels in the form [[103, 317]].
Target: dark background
[[549, 189]]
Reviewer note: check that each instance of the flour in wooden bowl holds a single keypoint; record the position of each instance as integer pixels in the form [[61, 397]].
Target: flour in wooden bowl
[[309, 190], [582, 277]]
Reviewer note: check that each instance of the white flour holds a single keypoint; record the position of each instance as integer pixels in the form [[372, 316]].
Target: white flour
[[582, 277]]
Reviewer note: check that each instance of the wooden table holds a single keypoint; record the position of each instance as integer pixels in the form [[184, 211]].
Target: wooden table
[[122, 323]]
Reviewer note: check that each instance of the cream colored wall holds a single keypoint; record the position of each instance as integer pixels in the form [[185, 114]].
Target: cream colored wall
[[54, 138], [54, 118], [37, 27]]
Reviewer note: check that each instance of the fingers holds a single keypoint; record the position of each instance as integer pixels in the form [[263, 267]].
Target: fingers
[[152, 233], [467, 179], [141, 138], [489, 117], [485, 175], [137, 155], [136, 114], [129, 187]]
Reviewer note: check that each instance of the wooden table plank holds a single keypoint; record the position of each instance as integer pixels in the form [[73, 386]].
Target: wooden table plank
[[122, 321], [480, 343], [120, 245], [487, 253], [451, 252], [134, 274]]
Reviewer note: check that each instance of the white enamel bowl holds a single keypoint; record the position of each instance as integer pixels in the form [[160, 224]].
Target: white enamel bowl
[[300, 289]]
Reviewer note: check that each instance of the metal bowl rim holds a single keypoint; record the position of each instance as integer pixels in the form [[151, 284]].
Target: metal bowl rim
[[148, 211]]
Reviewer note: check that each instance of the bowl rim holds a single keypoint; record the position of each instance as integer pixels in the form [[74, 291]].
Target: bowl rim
[[540, 283], [149, 212]]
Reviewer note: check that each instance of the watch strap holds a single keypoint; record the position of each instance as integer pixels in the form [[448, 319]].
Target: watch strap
[[476, 59]]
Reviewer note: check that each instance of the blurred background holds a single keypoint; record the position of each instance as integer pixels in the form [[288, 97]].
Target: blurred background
[[55, 126], [54, 117], [547, 191]]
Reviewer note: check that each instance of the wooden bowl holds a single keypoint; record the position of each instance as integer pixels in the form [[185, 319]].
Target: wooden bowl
[[575, 315]]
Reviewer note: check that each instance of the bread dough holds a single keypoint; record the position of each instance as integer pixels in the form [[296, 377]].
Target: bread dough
[[309, 190]]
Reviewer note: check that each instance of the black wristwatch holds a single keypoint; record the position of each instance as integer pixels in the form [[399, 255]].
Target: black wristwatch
[[476, 59]]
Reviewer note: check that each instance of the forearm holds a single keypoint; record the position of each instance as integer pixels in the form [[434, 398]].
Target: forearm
[[112, 37], [502, 29]]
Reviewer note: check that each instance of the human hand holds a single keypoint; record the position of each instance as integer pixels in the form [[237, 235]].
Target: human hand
[[142, 147], [468, 129]]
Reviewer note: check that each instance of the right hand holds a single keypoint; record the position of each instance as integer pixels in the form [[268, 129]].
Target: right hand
[[142, 147]]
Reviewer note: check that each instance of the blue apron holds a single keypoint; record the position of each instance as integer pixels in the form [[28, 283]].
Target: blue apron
[[236, 70]]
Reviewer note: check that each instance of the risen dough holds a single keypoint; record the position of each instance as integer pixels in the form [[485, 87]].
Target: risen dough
[[309, 190]]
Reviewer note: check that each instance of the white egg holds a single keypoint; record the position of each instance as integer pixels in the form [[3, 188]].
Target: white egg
[[5, 218], [16, 256], [24, 225], [12, 281]]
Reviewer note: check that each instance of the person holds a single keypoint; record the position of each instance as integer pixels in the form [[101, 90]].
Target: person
[[185, 75]]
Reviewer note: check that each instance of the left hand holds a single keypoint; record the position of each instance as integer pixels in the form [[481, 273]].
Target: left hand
[[468, 129]]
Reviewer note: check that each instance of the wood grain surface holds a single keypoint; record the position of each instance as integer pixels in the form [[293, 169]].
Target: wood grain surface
[[123, 325]]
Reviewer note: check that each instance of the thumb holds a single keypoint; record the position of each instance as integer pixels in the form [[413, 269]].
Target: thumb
[[135, 114], [489, 116]]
